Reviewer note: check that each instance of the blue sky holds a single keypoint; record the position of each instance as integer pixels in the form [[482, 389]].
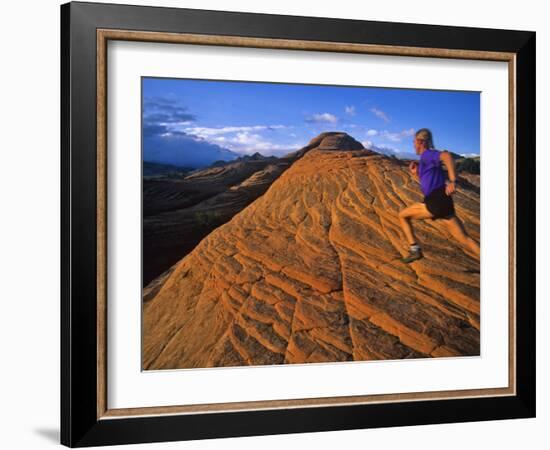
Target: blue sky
[[194, 122]]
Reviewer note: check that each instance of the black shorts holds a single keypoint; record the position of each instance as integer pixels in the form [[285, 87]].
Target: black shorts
[[440, 204]]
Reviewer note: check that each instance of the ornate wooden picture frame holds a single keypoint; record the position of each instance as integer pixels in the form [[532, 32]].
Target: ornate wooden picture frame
[[86, 418]]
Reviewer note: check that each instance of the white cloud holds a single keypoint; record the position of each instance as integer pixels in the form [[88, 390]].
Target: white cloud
[[350, 110], [322, 118], [247, 143], [206, 132], [385, 149], [380, 114], [243, 139], [396, 136], [246, 138], [393, 136], [368, 144]]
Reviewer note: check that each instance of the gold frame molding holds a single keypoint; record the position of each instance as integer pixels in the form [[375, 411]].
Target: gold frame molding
[[103, 36]]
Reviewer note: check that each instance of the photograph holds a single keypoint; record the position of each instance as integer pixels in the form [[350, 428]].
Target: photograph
[[293, 222], [287, 223]]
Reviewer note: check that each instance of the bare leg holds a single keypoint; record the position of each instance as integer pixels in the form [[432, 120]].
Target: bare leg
[[416, 211], [456, 228]]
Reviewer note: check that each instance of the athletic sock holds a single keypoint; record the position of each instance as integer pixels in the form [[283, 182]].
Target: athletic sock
[[414, 247]]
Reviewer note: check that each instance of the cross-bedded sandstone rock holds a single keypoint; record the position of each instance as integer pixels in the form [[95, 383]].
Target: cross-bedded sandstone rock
[[310, 272]]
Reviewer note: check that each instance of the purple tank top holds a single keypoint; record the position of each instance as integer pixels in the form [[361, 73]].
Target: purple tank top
[[430, 172]]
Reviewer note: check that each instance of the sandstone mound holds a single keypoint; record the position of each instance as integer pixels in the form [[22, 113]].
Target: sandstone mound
[[339, 141], [309, 272]]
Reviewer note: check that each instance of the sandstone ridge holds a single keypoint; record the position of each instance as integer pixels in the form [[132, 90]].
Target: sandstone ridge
[[310, 272]]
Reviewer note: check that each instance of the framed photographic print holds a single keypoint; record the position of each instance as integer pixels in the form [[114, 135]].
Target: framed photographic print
[[280, 224]]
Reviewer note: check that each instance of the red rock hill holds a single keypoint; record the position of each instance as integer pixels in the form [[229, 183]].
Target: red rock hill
[[309, 272]]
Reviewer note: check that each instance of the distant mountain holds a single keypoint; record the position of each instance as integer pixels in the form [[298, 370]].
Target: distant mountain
[[309, 272], [392, 152], [256, 157], [218, 163], [455, 155], [152, 169], [469, 165]]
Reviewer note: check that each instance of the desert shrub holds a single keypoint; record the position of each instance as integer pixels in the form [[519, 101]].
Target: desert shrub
[[470, 165]]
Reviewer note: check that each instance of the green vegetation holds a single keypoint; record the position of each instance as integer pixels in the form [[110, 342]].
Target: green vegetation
[[470, 165]]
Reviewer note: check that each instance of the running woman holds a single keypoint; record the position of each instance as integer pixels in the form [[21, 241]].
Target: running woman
[[438, 201]]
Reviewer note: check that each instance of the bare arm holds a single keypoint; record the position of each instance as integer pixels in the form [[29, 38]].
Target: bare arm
[[413, 168], [449, 163]]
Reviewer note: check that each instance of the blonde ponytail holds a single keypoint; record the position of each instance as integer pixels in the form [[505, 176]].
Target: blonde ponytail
[[425, 135]]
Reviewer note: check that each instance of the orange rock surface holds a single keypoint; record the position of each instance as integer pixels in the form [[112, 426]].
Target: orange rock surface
[[310, 272]]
